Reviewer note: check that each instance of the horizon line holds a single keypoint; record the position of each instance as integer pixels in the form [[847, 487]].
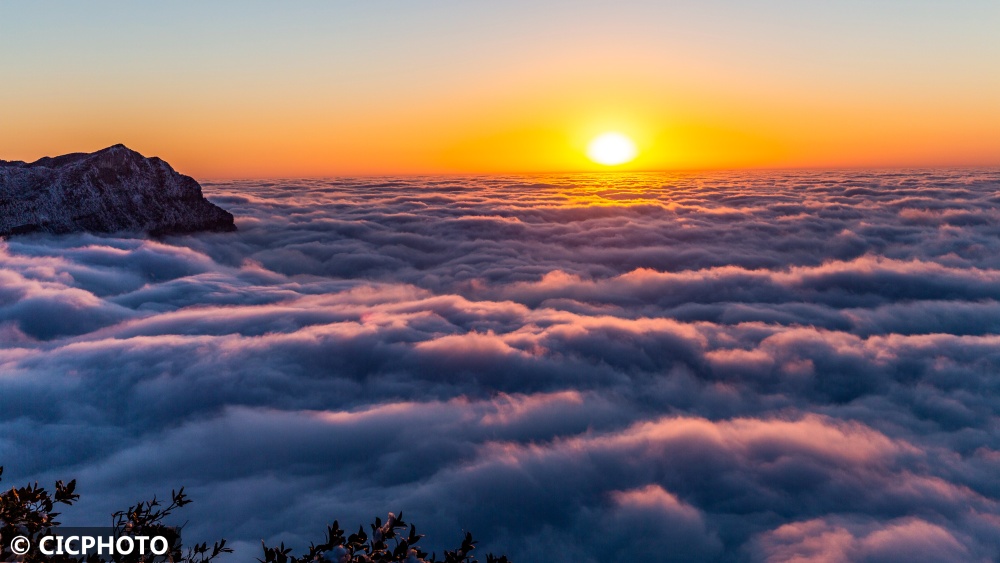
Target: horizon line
[[451, 174]]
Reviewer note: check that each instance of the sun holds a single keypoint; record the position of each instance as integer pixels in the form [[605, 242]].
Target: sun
[[612, 149]]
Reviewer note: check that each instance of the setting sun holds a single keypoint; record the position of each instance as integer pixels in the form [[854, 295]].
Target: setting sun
[[612, 149]]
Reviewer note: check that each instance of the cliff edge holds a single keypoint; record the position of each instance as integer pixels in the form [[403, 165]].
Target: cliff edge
[[109, 191]]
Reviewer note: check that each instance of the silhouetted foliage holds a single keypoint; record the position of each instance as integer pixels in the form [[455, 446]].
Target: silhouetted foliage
[[391, 542], [28, 511], [145, 518]]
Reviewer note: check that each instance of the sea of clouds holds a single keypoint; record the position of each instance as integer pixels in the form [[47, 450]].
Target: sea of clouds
[[725, 367]]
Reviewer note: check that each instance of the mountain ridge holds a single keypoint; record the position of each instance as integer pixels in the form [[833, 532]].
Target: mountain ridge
[[113, 190]]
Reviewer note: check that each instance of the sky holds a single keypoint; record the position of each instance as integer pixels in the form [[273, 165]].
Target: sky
[[314, 89]]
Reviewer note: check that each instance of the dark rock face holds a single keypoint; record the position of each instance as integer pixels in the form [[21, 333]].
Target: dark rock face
[[109, 191]]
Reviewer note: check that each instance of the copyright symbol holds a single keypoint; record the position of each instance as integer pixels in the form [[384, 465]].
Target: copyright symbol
[[20, 545]]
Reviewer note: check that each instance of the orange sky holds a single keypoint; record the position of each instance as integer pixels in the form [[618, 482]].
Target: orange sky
[[321, 90]]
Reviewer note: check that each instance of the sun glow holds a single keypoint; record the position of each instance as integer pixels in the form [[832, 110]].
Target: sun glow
[[612, 149]]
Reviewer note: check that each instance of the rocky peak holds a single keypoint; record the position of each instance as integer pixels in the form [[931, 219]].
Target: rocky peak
[[109, 191]]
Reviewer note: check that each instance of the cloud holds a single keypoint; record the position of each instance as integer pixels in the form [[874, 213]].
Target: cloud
[[766, 367], [905, 539]]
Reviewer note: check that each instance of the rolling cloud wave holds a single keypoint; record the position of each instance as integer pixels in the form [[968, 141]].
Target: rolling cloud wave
[[730, 367]]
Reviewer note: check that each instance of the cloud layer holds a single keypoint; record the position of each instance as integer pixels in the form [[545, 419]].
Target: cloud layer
[[731, 367]]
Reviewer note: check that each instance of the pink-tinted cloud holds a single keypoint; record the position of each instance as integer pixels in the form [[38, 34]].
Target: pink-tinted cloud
[[905, 539]]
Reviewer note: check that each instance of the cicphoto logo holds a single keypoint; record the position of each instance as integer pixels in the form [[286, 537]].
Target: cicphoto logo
[[88, 543], [102, 545]]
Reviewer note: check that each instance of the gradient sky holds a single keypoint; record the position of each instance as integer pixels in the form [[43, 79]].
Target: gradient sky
[[242, 89]]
